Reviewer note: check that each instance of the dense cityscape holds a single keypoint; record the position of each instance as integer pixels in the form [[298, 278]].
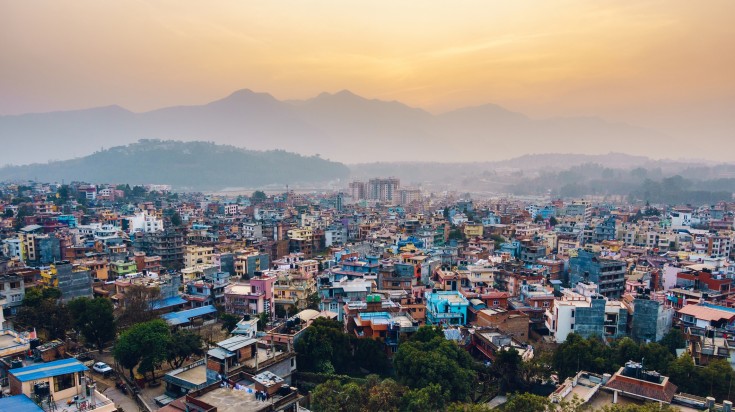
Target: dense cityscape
[[383, 206], [373, 297]]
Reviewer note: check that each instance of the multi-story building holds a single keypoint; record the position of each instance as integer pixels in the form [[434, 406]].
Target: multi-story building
[[13, 289], [251, 298], [121, 268], [586, 313], [198, 256], [74, 281], [608, 274], [383, 190], [248, 262], [446, 308], [651, 320], [168, 244]]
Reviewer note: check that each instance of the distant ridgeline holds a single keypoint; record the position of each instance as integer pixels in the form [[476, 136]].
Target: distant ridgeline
[[184, 165]]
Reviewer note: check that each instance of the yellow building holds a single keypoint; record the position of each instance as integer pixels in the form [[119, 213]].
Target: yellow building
[[198, 256], [472, 230]]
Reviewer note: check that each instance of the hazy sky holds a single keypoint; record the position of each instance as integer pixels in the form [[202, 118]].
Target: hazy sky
[[662, 64]]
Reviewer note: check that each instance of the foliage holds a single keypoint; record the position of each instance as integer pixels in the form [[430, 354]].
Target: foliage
[[527, 402], [43, 310], [325, 347], [146, 344], [229, 322], [137, 305], [387, 395], [507, 368], [262, 321], [673, 340], [427, 359], [95, 320], [258, 196], [183, 344]]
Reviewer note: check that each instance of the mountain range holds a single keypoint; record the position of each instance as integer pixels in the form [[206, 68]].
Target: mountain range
[[340, 126]]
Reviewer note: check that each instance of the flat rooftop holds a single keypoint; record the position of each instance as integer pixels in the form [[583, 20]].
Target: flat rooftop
[[196, 375]]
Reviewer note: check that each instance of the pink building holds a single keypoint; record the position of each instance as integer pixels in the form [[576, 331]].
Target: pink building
[[251, 298]]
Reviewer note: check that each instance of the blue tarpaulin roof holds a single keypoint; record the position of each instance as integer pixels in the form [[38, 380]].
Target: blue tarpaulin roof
[[178, 318], [168, 302], [18, 403], [49, 369]]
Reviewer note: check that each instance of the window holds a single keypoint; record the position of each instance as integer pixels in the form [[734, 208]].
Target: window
[[496, 303], [546, 304], [62, 382], [572, 312]]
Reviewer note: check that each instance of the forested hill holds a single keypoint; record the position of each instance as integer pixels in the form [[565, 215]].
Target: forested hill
[[184, 165]]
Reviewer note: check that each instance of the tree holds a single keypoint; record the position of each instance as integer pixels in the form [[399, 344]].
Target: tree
[[527, 402], [145, 344], [385, 396], [258, 196], [673, 340], [229, 322], [176, 219], [137, 305], [183, 344], [127, 351], [42, 309], [682, 372], [332, 396], [553, 221], [262, 321], [312, 301], [419, 364], [94, 318], [507, 368], [430, 398]]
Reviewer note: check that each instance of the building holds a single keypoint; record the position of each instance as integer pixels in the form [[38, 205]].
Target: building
[[634, 382], [74, 281], [383, 190], [381, 320], [608, 274], [251, 298], [651, 320], [198, 256], [55, 385], [446, 308], [248, 263], [586, 313]]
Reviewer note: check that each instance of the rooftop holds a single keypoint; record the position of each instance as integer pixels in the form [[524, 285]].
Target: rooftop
[[47, 370]]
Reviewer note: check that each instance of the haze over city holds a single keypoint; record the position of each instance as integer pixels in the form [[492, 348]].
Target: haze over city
[[659, 66]]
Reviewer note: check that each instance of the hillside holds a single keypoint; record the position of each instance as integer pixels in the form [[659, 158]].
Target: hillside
[[184, 165]]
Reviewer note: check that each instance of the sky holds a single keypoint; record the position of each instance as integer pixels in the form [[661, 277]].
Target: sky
[[666, 65]]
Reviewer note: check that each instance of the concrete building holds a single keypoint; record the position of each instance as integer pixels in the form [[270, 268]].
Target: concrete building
[[651, 320], [446, 308], [586, 313], [74, 281], [58, 384], [608, 274]]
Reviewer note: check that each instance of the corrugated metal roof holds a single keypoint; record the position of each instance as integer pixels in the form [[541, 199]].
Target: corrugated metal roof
[[706, 313], [49, 369], [236, 342], [177, 318], [168, 302], [19, 403]]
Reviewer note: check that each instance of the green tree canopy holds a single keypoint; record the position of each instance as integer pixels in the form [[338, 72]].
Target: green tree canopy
[[95, 320]]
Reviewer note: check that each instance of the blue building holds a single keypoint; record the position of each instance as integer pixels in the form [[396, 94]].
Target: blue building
[[446, 308]]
